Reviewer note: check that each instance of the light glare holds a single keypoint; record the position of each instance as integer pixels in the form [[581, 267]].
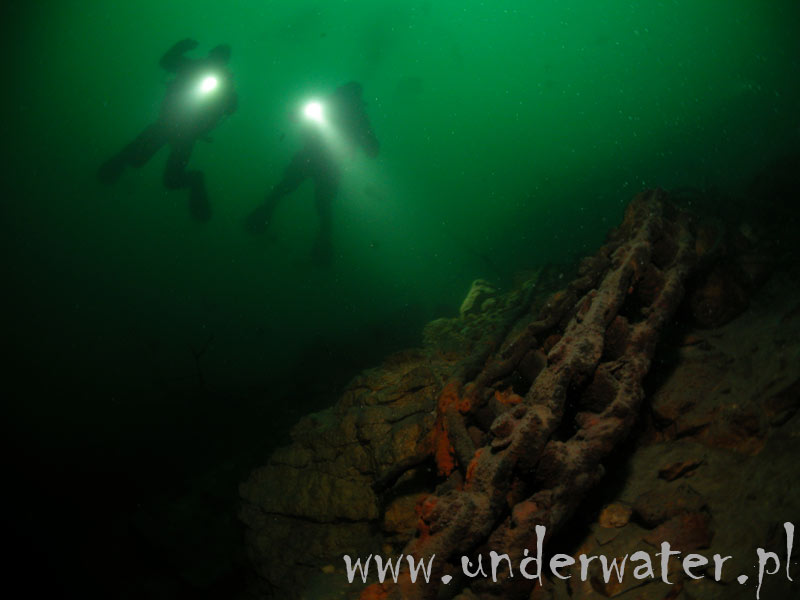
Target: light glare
[[209, 84], [313, 111]]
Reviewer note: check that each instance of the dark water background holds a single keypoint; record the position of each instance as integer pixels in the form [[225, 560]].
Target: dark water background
[[147, 350]]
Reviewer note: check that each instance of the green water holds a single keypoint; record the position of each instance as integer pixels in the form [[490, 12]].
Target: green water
[[512, 135]]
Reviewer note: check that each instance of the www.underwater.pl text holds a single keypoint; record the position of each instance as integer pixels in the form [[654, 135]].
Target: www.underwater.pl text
[[640, 565]]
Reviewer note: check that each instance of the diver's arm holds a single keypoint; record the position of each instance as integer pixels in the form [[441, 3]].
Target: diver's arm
[[174, 58]]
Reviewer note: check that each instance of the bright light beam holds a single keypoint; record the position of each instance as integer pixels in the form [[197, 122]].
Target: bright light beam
[[313, 111], [209, 84]]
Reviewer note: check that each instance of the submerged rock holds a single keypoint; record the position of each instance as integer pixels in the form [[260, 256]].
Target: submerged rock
[[508, 418], [480, 298]]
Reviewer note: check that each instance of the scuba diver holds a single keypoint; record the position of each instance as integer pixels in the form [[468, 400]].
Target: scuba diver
[[335, 127], [199, 96]]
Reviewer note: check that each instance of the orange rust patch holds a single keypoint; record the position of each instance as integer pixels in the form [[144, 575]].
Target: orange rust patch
[[445, 454], [450, 397], [472, 464], [424, 508], [507, 397], [443, 450], [376, 591], [424, 530], [426, 505]]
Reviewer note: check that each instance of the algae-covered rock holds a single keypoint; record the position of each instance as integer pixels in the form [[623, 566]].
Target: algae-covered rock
[[480, 298]]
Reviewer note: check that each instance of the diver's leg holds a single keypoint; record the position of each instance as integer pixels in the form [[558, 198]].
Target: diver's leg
[[135, 154], [177, 177], [325, 188], [258, 220]]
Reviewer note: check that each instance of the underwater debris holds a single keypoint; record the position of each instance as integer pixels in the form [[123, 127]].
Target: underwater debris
[[505, 418], [509, 418], [536, 466], [481, 297]]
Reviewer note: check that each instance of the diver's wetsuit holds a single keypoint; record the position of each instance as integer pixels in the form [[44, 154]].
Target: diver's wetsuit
[[346, 116], [186, 116]]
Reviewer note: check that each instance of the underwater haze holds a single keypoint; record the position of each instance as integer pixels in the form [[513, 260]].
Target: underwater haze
[[147, 346]]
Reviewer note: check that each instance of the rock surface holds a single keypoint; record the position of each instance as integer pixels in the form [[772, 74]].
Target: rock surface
[[480, 298], [428, 452], [326, 494]]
